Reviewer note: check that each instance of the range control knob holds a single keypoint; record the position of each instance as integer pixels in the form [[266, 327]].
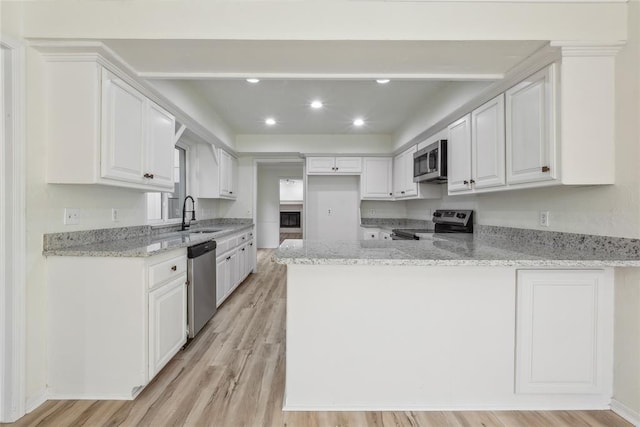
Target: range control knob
[[437, 214], [461, 215]]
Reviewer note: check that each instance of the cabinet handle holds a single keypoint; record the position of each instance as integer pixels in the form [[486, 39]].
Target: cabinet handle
[[228, 258], [402, 192], [545, 169], [243, 249], [174, 268], [391, 194], [472, 181], [243, 237], [230, 192], [465, 182], [148, 175], [250, 244]]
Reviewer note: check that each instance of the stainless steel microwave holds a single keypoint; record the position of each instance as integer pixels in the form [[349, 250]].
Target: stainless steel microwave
[[430, 163]]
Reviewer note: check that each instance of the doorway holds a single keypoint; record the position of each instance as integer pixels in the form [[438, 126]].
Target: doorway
[[277, 200]]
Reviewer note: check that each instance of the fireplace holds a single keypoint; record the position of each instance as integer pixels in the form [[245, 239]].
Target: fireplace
[[289, 219]]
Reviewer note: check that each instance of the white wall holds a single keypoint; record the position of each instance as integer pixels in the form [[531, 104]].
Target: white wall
[[292, 190], [332, 204], [350, 20], [268, 201], [339, 144]]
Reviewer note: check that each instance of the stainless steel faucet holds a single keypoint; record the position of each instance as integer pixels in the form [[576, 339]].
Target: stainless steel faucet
[[184, 212]]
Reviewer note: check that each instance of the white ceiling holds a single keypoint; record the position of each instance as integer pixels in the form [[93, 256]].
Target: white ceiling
[[339, 73], [245, 106]]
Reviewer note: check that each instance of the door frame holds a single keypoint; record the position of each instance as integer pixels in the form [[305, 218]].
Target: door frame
[[13, 220]]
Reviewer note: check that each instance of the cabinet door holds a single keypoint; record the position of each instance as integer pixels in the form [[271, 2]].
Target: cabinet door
[[459, 155], [122, 145], [159, 146], [530, 137], [409, 187], [384, 235], [225, 173], [242, 262], [348, 165], [487, 144], [252, 256], [371, 234], [376, 178], [234, 272], [564, 332], [398, 168], [167, 323], [222, 279], [321, 165]]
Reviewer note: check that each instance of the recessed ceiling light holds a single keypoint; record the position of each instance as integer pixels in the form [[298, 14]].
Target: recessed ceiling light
[[358, 122], [316, 104], [270, 121], [253, 80], [383, 81]]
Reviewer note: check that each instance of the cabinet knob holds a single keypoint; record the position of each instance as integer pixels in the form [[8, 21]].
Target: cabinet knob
[[148, 175], [465, 182], [546, 169], [243, 249], [472, 181], [402, 192], [228, 258], [391, 194], [174, 268], [230, 192]]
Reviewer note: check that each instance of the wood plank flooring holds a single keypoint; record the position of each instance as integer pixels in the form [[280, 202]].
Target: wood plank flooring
[[232, 374]]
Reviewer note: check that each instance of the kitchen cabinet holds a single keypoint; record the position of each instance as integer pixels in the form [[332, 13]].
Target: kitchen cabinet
[[216, 173], [530, 129], [334, 165], [109, 336], [370, 234], [235, 260], [167, 321], [564, 337], [477, 149], [403, 185], [459, 155], [377, 178], [488, 144], [228, 173], [103, 130]]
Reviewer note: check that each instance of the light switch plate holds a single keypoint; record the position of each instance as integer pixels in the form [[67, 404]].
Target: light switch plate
[[71, 216], [544, 218]]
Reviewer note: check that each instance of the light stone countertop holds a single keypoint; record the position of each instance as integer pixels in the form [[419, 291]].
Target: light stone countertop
[[448, 250], [148, 245]]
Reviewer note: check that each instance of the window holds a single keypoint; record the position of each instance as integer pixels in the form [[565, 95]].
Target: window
[[167, 206]]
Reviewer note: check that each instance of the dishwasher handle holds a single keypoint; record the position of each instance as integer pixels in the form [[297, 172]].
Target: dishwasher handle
[[201, 249]]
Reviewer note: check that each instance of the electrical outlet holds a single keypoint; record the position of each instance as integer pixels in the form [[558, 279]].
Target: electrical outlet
[[71, 216], [372, 212], [115, 215], [329, 212], [544, 218]]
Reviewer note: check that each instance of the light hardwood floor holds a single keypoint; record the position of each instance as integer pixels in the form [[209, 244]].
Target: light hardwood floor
[[232, 374]]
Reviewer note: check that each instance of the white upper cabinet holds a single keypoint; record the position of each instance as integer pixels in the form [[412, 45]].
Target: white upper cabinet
[[403, 185], [334, 165], [228, 170], [530, 129], [487, 144], [376, 181], [216, 173], [102, 130], [123, 117], [459, 155]]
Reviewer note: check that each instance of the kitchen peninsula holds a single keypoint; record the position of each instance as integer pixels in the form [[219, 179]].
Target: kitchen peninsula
[[453, 322]]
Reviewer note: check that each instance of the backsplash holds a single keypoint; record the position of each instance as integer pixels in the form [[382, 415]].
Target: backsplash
[[396, 223], [587, 244], [54, 241]]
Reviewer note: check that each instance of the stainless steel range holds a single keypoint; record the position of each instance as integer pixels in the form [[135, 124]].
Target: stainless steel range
[[445, 220]]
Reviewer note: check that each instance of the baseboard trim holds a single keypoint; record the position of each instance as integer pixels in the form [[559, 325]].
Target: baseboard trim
[[625, 412], [36, 400], [426, 408]]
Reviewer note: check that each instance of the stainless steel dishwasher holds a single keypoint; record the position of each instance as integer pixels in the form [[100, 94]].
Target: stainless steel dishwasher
[[201, 294]]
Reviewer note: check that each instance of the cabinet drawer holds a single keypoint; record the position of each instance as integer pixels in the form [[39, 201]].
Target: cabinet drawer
[[165, 270]]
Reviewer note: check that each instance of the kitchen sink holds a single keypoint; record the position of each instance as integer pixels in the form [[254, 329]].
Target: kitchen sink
[[205, 231]]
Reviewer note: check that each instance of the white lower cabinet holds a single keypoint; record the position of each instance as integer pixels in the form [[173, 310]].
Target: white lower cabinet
[[564, 337], [370, 234], [167, 323], [113, 323], [236, 259]]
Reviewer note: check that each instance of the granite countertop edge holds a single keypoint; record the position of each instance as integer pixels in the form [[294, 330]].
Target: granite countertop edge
[[146, 246], [460, 262]]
